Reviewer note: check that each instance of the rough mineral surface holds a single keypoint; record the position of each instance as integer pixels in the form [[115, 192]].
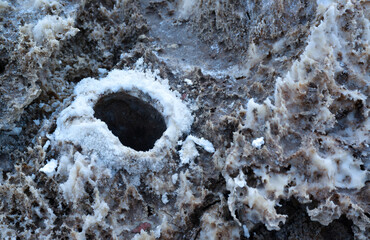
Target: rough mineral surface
[[266, 111]]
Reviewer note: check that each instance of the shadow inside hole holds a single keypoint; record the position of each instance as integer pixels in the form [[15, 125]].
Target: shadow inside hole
[[136, 123], [3, 63]]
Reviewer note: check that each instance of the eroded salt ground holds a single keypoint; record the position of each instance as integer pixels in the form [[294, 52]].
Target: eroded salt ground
[[265, 106]]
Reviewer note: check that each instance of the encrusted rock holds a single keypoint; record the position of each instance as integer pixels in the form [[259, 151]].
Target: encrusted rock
[[184, 119]]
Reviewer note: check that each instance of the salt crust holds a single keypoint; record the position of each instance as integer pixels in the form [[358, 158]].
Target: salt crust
[[259, 201], [189, 152], [49, 168], [77, 126], [338, 169], [186, 7], [53, 28], [258, 142]]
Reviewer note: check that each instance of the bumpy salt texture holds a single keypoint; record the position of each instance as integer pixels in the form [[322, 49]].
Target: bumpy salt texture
[[77, 125]]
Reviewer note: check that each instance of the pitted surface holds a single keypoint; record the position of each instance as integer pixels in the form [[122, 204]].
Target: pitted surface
[[276, 93]]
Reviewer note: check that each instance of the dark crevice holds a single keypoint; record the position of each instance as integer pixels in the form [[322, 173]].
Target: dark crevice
[[197, 233], [150, 211], [137, 124], [193, 229], [3, 63], [209, 201], [338, 229], [300, 225]]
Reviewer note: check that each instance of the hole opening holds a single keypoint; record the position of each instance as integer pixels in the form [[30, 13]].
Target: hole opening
[[136, 123], [3, 63]]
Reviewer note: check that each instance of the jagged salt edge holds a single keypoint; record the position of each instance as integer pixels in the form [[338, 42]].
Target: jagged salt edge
[[334, 174]]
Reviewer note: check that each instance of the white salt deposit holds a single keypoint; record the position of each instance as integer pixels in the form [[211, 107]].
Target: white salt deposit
[[53, 28], [49, 168], [165, 198], [258, 142], [186, 7], [77, 125], [189, 152], [188, 81], [204, 143], [174, 178]]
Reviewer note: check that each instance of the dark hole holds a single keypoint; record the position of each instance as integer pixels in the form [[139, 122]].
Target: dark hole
[[150, 211], [338, 229], [136, 123], [52, 127], [342, 77], [3, 63]]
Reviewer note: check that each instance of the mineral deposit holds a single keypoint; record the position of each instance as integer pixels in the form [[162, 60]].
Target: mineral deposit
[[184, 119]]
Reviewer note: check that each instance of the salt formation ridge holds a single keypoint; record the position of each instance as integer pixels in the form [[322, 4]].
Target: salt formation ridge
[[316, 160]]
